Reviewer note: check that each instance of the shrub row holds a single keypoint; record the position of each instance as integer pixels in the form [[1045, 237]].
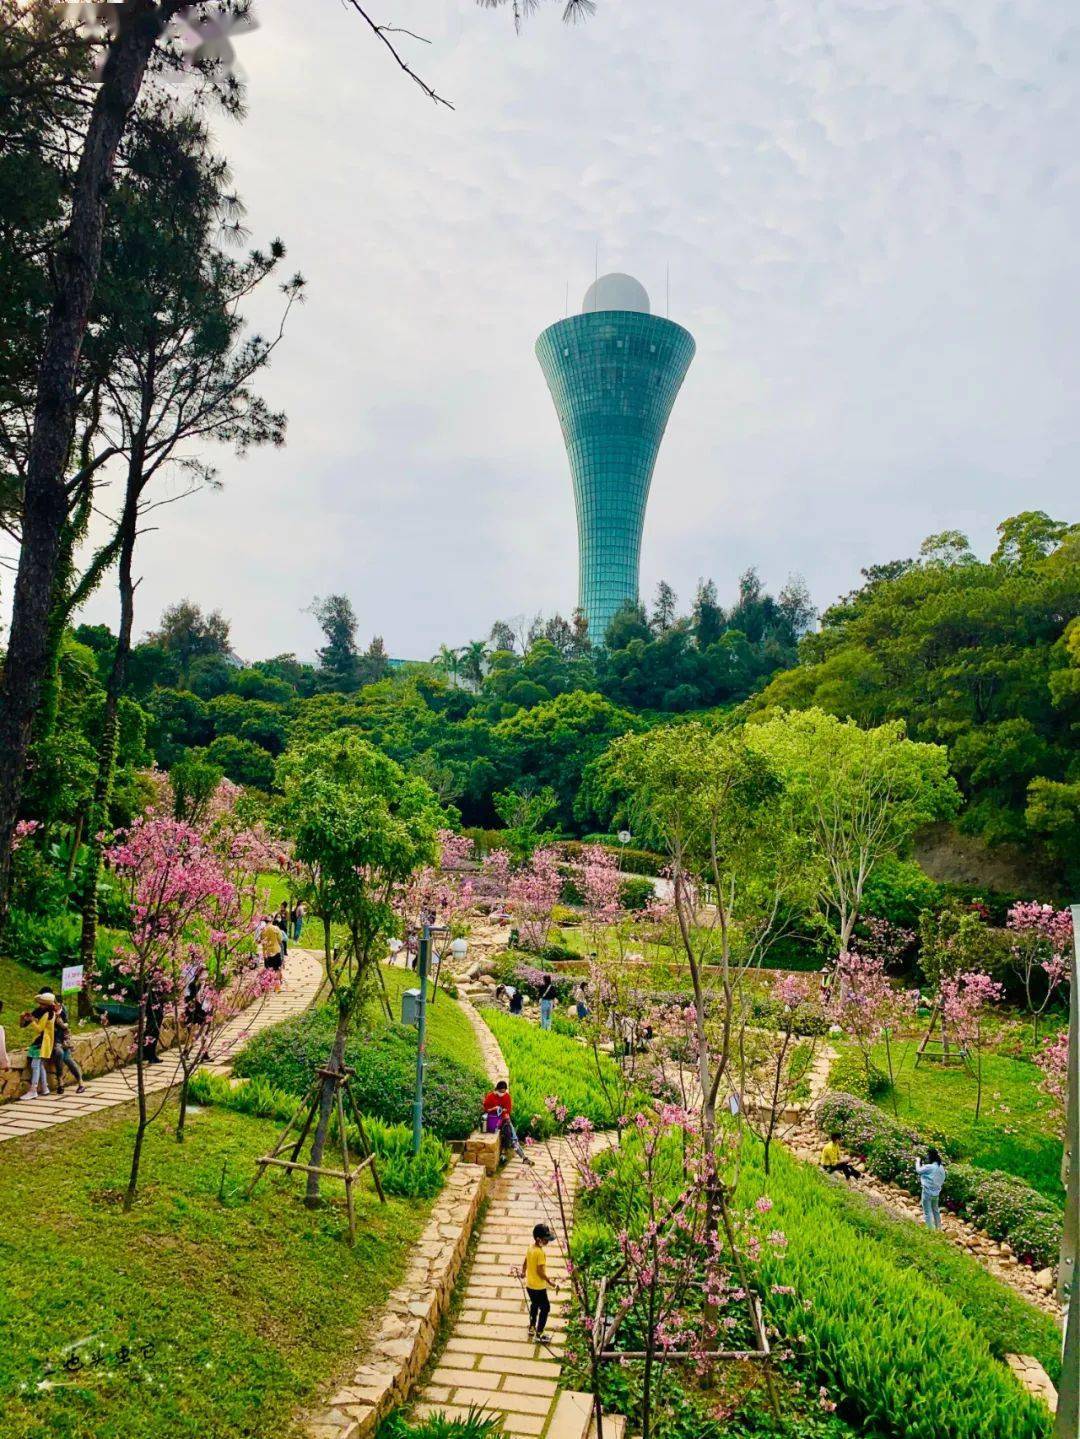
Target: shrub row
[[418, 1176], [631, 861], [847, 1075], [1005, 1207], [287, 1055]]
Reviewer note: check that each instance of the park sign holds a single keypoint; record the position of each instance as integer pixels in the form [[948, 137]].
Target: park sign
[[71, 979]]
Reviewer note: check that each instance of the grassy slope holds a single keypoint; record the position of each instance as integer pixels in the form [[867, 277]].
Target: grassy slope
[[250, 1307], [543, 1064], [448, 1031], [895, 1313], [1015, 1131]]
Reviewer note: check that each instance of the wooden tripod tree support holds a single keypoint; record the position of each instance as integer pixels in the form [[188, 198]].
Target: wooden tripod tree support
[[957, 1054], [348, 1173]]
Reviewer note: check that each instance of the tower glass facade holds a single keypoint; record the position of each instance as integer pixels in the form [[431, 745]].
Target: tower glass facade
[[613, 375]]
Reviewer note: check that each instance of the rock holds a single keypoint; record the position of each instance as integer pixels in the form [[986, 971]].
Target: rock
[[1046, 1279]]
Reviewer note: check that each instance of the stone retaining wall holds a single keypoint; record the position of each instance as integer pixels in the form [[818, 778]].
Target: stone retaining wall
[[97, 1051], [406, 1332]]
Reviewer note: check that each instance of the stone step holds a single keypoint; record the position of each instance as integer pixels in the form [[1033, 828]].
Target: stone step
[[614, 1426], [572, 1418]]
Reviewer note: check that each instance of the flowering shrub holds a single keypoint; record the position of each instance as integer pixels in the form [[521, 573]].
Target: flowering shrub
[[1053, 1060], [1006, 1207]]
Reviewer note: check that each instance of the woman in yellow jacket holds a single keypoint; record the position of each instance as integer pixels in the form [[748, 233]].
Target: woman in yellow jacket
[[42, 1022]]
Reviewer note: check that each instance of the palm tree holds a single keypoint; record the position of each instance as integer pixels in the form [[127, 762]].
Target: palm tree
[[473, 660], [449, 661]]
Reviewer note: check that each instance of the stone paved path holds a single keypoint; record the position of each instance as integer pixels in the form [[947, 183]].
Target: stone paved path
[[488, 1359], [303, 976]]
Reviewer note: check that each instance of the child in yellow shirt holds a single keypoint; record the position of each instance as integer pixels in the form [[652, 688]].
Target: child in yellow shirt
[[831, 1161], [534, 1273]]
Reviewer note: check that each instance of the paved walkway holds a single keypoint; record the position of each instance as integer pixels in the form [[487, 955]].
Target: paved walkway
[[488, 1359], [303, 976]]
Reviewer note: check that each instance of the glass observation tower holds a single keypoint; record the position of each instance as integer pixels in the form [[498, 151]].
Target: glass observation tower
[[613, 372]]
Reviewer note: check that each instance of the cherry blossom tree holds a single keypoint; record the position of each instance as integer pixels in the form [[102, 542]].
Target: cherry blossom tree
[[173, 878], [223, 974], [678, 1286], [1042, 936], [1053, 1060], [869, 1008], [533, 892], [775, 1062], [965, 1003]]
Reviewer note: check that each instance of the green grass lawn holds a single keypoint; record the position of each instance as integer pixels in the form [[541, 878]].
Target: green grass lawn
[[1016, 1130], [233, 1313], [543, 1063], [448, 1031]]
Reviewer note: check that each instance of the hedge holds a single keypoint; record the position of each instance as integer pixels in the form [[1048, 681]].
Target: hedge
[[401, 1172], [631, 861], [1005, 1207], [287, 1055]]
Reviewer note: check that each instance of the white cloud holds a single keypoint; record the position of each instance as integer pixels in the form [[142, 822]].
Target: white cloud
[[869, 212]]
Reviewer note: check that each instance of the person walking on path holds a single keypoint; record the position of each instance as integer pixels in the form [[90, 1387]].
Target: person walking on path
[[581, 998], [298, 913], [282, 922], [270, 946], [931, 1177], [63, 1057], [42, 1020], [498, 1106], [547, 996], [534, 1273], [833, 1162]]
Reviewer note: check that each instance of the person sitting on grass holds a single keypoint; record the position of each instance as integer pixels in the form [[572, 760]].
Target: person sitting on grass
[[498, 1106], [931, 1178], [534, 1272], [833, 1163]]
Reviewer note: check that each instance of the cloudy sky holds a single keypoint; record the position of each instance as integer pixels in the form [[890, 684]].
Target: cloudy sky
[[869, 212]]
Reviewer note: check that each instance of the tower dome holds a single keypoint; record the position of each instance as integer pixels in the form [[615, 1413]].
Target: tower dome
[[616, 292]]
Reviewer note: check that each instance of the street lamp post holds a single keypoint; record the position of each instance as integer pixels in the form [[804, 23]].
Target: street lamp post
[[422, 960]]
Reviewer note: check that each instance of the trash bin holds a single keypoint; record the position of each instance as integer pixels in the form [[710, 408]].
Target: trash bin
[[410, 1006]]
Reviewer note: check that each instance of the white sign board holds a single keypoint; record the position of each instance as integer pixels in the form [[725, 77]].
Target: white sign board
[[71, 979]]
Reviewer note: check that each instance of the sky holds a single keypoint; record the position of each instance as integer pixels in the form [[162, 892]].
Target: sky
[[868, 212]]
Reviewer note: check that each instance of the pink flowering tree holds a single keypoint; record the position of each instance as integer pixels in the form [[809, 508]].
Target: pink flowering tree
[[439, 894], [869, 1008], [172, 878], [1041, 940], [223, 974], [1053, 1060], [775, 1061], [533, 892], [672, 1286], [966, 1002]]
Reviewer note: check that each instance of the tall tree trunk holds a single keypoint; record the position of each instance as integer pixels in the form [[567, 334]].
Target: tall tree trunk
[[99, 808], [140, 1085], [45, 504]]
